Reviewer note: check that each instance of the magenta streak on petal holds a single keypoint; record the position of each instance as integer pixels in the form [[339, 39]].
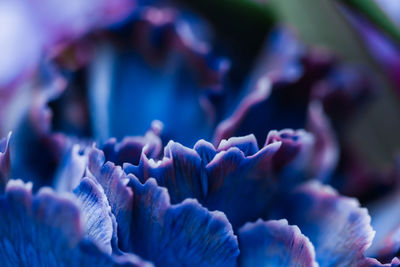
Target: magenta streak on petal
[[228, 127]]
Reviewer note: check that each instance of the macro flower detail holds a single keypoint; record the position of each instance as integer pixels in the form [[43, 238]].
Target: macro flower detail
[[49, 228], [236, 168], [155, 229], [338, 228], [199, 133]]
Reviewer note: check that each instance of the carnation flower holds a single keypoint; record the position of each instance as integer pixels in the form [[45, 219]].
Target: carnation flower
[[139, 138]]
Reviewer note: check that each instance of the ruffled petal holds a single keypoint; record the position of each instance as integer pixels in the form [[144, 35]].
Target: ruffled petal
[[179, 235], [120, 197], [130, 149], [181, 171], [233, 176], [295, 155], [274, 243], [96, 213], [168, 69], [338, 228], [237, 182], [46, 230]]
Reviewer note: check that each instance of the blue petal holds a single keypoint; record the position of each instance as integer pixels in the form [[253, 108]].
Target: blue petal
[[241, 186], [337, 227], [179, 235], [235, 176], [120, 197], [5, 164], [96, 213], [45, 230], [247, 144], [181, 171], [71, 169], [130, 149], [205, 150], [274, 243], [167, 74]]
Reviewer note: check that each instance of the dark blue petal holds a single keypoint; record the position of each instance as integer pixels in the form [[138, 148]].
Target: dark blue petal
[[46, 230], [130, 149], [181, 171], [179, 235], [274, 244], [230, 179], [205, 150], [337, 227], [168, 74], [241, 186]]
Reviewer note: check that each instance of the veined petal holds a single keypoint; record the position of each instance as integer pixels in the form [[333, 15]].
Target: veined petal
[[274, 243], [337, 227], [179, 235], [120, 197], [96, 213], [46, 230], [181, 171], [235, 176]]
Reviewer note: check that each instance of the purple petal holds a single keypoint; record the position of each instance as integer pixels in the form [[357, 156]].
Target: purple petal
[[382, 47], [230, 126], [338, 228], [274, 243], [294, 156], [325, 154], [130, 149]]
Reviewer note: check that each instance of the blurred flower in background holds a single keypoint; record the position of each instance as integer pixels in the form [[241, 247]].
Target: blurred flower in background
[[175, 133]]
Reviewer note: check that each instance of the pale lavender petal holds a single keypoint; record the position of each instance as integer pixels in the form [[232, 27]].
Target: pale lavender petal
[[120, 197], [5, 164]]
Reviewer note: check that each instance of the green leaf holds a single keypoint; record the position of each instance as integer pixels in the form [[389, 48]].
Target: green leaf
[[371, 10]]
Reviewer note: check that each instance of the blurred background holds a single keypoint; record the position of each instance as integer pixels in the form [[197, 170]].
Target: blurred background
[[112, 68]]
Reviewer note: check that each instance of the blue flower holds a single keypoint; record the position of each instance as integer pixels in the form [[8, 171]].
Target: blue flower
[[201, 176]]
